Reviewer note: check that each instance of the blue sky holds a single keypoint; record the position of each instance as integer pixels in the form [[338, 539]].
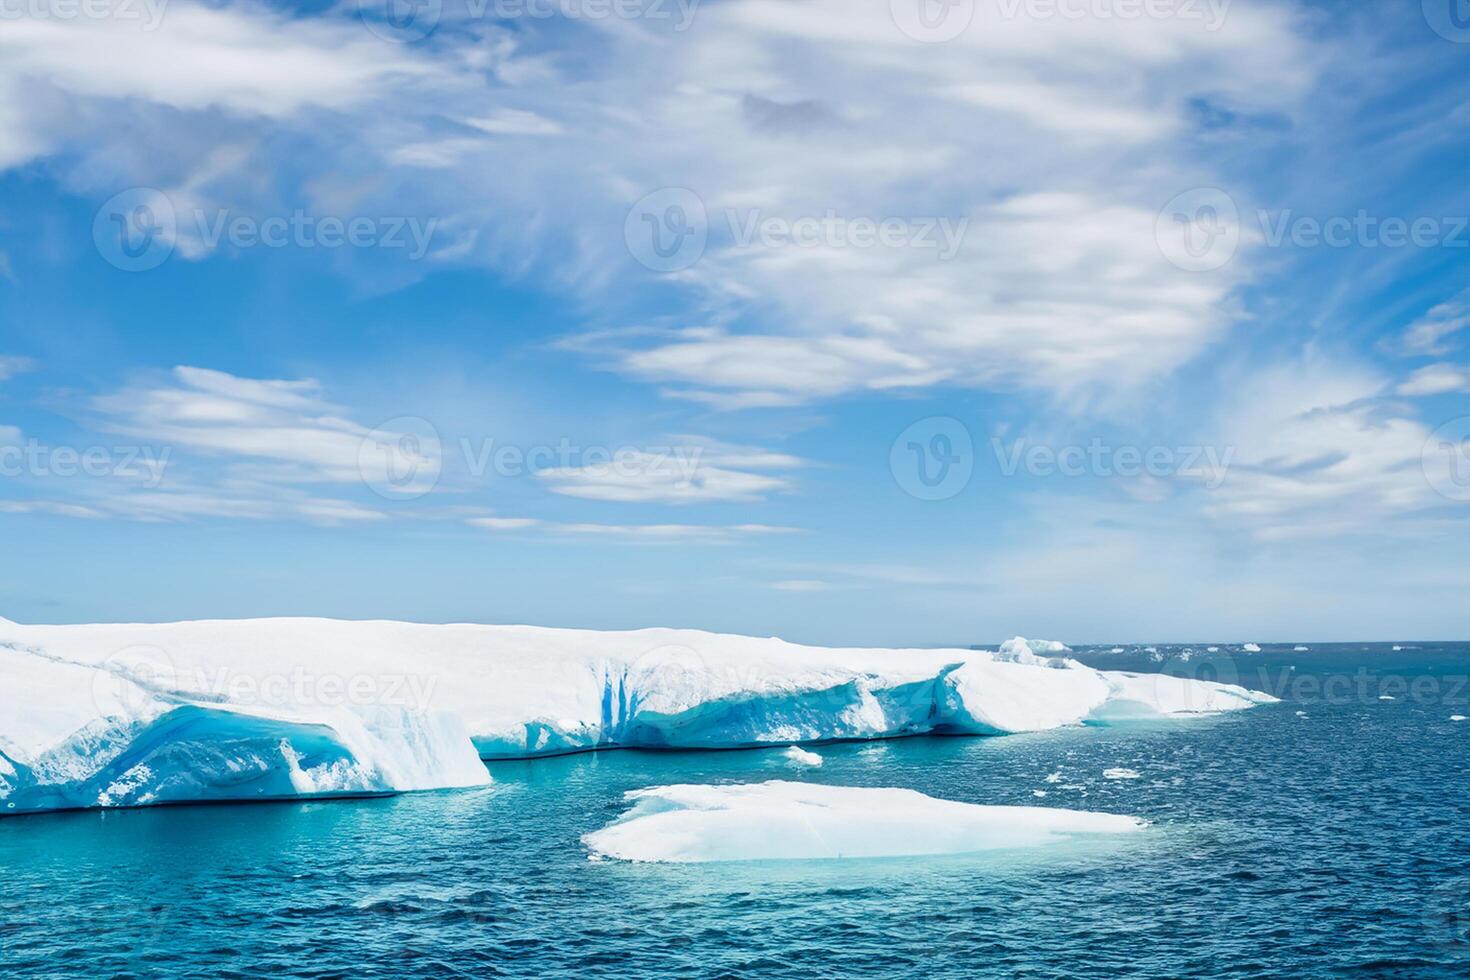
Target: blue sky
[[1096, 320]]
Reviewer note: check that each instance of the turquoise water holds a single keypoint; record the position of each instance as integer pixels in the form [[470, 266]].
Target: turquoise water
[[1328, 845]]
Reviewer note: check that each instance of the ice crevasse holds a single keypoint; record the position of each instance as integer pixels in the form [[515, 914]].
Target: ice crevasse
[[133, 714]]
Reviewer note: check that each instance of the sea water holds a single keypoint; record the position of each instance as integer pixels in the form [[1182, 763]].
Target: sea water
[[1324, 836]]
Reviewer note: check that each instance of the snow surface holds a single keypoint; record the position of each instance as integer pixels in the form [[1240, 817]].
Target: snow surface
[[780, 820], [111, 715]]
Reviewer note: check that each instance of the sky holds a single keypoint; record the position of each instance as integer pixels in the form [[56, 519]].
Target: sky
[[867, 322]]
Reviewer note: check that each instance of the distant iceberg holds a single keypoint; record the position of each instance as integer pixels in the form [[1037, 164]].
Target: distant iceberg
[[802, 821], [1251, 647], [124, 715]]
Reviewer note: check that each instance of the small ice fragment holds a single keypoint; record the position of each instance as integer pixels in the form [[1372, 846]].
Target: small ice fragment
[[1055, 777], [1212, 649], [1301, 714], [1300, 649], [801, 757], [1251, 647], [1038, 793], [1116, 650], [1385, 697], [1120, 774], [1457, 718]]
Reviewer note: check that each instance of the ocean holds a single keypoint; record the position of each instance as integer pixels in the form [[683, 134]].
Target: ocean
[[1324, 836]]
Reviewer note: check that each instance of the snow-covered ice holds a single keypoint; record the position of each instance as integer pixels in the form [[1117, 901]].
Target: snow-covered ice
[[129, 714], [784, 821]]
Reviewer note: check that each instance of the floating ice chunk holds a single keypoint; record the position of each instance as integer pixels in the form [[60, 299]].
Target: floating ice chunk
[[1038, 793], [1116, 650], [1457, 718], [1055, 777], [1212, 649], [1300, 649], [1251, 647], [1385, 697], [801, 757], [784, 820], [1120, 773], [1301, 714]]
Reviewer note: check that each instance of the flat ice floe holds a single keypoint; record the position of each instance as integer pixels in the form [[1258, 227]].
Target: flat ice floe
[[780, 820], [121, 715]]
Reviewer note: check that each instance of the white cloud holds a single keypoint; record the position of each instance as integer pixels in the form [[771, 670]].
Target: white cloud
[[1435, 379], [802, 585], [669, 533], [283, 430], [1319, 452], [1057, 141], [691, 471], [1427, 334], [11, 365], [213, 445]]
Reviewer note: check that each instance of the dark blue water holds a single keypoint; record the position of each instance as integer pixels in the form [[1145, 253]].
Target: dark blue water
[[1333, 844]]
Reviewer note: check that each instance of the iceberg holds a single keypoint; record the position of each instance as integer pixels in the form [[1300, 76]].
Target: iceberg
[[133, 714], [1251, 647], [780, 820]]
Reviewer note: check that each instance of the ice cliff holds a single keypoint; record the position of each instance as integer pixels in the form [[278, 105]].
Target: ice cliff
[[131, 714]]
